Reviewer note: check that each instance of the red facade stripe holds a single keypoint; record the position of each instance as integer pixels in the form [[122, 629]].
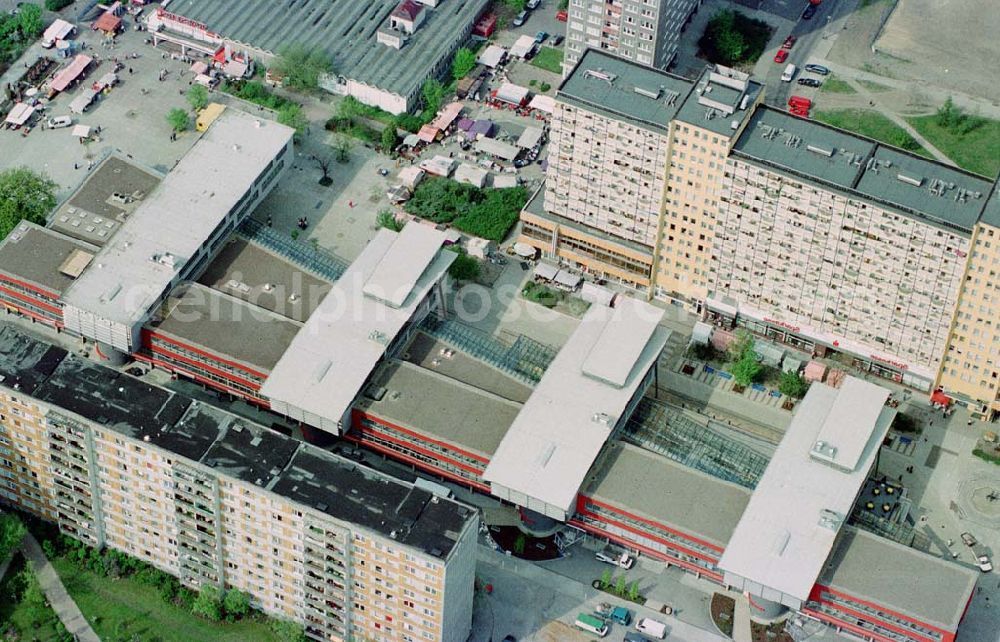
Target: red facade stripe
[[172, 367], [416, 435], [34, 315], [819, 587], [365, 430], [32, 300], [676, 561], [149, 334], [222, 373], [25, 284], [582, 506], [423, 465]]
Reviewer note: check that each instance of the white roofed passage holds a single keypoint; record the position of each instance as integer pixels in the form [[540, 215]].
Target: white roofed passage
[[555, 439]]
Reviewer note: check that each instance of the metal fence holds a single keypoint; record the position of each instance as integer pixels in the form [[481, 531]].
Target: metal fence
[[320, 262]]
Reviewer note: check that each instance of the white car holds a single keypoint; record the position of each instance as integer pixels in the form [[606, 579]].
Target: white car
[[58, 122], [651, 627], [622, 560]]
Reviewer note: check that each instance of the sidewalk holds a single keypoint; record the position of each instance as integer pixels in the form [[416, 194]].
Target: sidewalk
[[59, 599]]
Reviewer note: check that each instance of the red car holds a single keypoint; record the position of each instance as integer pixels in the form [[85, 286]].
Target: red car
[[815, 2], [789, 42], [781, 55]]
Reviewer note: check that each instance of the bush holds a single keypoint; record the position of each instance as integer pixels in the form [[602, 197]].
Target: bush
[[290, 114], [485, 213], [236, 605], [12, 531], [702, 352], [56, 5], [197, 97], [288, 631], [179, 119], [208, 604], [464, 268], [544, 87], [185, 598], [387, 219], [255, 92], [743, 361], [302, 66], [732, 38], [463, 63], [540, 294], [388, 138]]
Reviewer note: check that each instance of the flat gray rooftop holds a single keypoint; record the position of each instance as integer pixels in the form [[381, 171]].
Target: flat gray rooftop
[[991, 213], [353, 493], [105, 199], [247, 271], [346, 30], [225, 325], [232, 446], [701, 107], [653, 487], [945, 195], [440, 407], [799, 145], [607, 85], [905, 580], [428, 352], [38, 256], [913, 185]]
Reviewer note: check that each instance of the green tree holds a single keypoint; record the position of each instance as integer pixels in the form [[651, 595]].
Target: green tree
[[949, 114], [743, 360], [388, 138], [620, 586], [236, 604], [208, 604], [288, 631], [433, 93], [29, 21], [33, 602], [464, 267], [516, 5], [291, 114], [12, 531], [606, 578], [302, 66], [463, 63], [633, 591], [56, 5], [793, 384], [387, 219], [179, 119], [24, 196], [197, 97]]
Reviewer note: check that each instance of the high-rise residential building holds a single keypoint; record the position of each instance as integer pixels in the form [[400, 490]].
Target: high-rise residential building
[[809, 235], [646, 31], [634, 158], [219, 501], [971, 364]]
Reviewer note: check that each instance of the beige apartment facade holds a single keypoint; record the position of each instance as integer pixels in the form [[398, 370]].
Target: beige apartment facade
[[644, 31], [348, 552]]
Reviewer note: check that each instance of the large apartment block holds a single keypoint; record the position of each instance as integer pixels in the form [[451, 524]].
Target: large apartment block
[[646, 31], [811, 236], [216, 500]]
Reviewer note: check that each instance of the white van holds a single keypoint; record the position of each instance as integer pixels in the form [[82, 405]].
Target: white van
[[58, 122], [789, 73], [651, 627]]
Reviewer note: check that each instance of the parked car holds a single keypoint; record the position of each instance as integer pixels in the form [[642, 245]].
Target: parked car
[[815, 2], [623, 560], [520, 19], [809, 82], [562, 16], [789, 73], [789, 42], [982, 558], [556, 41], [781, 56], [651, 627], [809, 12], [532, 4], [968, 539], [632, 636], [58, 122], [817, 69], [541, 36], [509, 638]]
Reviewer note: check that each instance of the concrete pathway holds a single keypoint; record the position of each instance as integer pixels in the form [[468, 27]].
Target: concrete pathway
[[876, 104], [59, 599], [741, 619]]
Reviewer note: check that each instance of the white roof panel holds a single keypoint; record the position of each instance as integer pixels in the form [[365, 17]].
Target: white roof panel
[[843, 436], [546, 271], [622, 341], [529, 138], [172, 223], [795, 513], [492, 56], [332, 356], [396, 274], [559, 432]]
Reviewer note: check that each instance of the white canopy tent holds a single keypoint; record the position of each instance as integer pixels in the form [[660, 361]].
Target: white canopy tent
[[470, 174], [544, 270], [20, 114], [504, 181], [543, 103], [497, 148], [492, 56], [568, 280], [525, 251], [81, 131], [522, 47], [511, 93]]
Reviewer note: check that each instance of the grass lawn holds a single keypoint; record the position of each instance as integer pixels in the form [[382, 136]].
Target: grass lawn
[[873, 125], [834, 85], [39, 624], [549, 59], [977, 150], [874, 86], [122, 608]]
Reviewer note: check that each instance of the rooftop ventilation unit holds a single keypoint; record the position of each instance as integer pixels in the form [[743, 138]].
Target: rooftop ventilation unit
[[830, 519], [600, 74], [671, 98], [734, 125], [378, 337], [744, 102], [647, 92], [820, 150], [916, 182]]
